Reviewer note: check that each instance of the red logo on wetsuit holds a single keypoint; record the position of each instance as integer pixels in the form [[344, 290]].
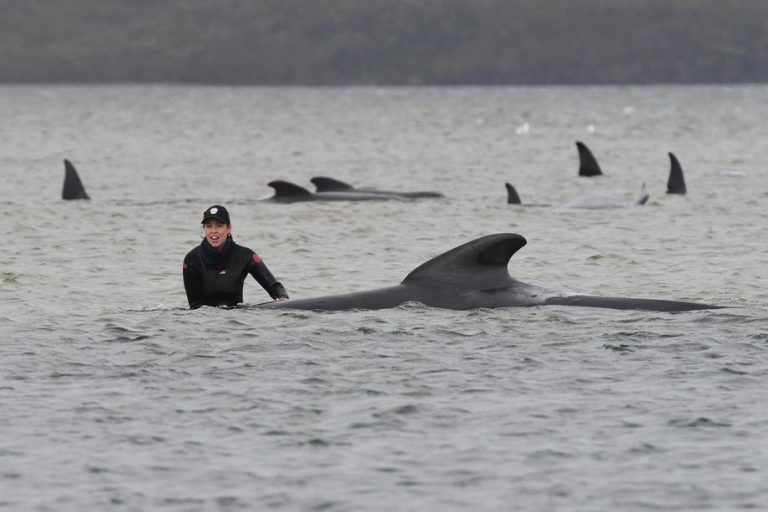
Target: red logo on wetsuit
[[256, 258], [185, 266]]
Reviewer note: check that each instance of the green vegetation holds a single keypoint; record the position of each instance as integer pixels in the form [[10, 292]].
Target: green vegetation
[[384, 41]]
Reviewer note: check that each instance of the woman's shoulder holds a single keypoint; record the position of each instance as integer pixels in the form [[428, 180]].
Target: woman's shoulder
[[195, 250]]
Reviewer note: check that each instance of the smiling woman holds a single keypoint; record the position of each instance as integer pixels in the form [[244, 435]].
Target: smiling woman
[[215, 270]]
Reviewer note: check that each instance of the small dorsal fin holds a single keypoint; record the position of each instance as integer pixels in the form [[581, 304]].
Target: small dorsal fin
[[642, 197], [73, 187], [512, 196], [483, 261], [676, 182], [588, 165], [288, 189], [325, 184]]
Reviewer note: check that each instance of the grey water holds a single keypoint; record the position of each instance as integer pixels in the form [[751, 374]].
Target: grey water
[[115, 396]]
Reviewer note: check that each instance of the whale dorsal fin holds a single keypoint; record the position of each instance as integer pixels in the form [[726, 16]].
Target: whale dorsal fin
[[73, 187], [477, 264], [642, 196], [676, 182], [512, 196], [288, 189], [324, 184], [588, 165]]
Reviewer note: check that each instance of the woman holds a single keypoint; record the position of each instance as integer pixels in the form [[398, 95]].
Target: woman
[[215, 270]]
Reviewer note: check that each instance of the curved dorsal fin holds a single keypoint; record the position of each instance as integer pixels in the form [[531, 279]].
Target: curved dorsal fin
[[324, 184], [512, 196], [588, 165], [287, 189], [479, 263], [73, 187], [676, 182]]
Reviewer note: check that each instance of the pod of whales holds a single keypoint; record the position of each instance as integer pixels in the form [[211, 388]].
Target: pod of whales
[[330, 189], [474, 275], [73, 187], [675, 185]]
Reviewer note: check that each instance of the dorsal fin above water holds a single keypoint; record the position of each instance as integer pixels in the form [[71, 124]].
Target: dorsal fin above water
[[325, 184], [676, 182], [642, 196], [288, 189], [481, 262], [588, 165], [512, 196], [73, 187]]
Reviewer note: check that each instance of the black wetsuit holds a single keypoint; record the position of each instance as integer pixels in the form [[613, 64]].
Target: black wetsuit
[[215, 278]]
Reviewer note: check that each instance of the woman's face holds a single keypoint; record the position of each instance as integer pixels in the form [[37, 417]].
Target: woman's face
[[216, 232]]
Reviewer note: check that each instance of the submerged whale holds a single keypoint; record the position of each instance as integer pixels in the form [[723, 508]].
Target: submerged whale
[[325, 184], [287, 192], [595, 202], [73, 187], [474, 275], [588, 165]]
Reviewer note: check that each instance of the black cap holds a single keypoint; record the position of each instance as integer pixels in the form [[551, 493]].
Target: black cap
[[216, 212]]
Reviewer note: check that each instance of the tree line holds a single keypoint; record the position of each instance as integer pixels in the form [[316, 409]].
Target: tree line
[[387, 42]]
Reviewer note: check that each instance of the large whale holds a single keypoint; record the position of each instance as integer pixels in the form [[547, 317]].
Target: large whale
[[325, 184], [287, 192], [73, 187], [474, 275], [588, 165]]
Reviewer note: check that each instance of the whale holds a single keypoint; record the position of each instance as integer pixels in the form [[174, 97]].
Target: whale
[[595, 202], [470, 276], [326, 184], [287, 192], [73, 187], [588, 165], [676, 181]]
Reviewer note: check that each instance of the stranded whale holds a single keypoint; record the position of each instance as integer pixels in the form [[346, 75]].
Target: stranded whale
[[73, 187], [474, 275], [287, 192], [325, 184]]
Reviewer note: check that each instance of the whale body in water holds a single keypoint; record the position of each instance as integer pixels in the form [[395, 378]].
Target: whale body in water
[[474, 275]]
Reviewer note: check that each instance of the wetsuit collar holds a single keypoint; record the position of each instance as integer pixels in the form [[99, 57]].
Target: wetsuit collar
[[217, 259]]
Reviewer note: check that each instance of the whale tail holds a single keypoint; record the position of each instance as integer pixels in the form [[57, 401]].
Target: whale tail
[[676, 182], [325, 184], [512, 195], [73, 187], [588, 165]]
